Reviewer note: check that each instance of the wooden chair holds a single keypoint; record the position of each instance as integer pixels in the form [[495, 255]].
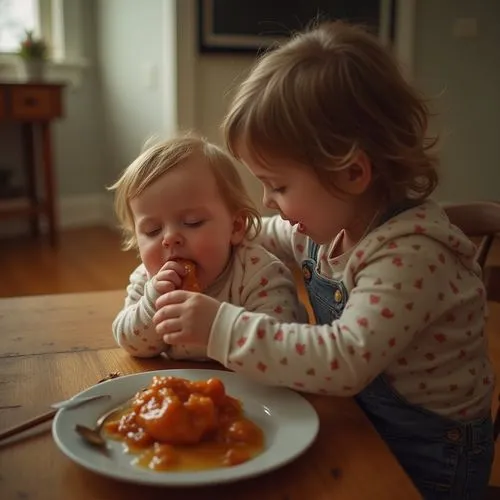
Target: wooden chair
[[481, 220]]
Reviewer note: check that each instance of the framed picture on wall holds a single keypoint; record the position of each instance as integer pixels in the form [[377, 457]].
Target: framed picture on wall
[[253, 25]]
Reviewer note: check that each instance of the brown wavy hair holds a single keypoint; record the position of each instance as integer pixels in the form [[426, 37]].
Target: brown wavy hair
[[158, 159], [328, 93]]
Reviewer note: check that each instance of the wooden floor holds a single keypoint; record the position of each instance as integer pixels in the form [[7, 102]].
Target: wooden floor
[[90, 259], [87, 259]]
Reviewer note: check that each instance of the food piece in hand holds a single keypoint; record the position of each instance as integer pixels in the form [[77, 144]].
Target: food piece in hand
[[190, 281]]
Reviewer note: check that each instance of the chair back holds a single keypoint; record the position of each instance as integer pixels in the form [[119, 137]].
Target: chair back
[[478, 219]]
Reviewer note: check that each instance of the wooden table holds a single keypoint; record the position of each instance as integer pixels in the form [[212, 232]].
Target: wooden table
[[34, 105], [54, 346]]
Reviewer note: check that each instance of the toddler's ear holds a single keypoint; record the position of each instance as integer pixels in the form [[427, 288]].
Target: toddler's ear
[[356, 178], [239, 229]]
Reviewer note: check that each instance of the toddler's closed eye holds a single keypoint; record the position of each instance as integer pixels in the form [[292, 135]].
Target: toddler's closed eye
[[196, 223], [152, 232]]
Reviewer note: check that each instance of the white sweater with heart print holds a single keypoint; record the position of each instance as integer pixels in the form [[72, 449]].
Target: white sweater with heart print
[[415, 311], [254, 279]]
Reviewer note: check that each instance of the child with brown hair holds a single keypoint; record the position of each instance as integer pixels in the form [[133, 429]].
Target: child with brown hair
[[183, 205], [339, 141]]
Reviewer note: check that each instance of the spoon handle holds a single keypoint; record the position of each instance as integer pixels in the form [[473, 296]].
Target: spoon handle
[[75, 402], [28, 424]]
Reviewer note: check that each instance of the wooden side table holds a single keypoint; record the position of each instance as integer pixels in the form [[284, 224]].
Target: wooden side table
[[34, 105]]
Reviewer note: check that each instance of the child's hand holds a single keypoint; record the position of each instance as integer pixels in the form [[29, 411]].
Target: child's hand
[[185, 317], [169, 277]]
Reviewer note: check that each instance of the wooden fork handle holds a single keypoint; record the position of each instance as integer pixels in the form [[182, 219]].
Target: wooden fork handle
[[28, 424], [44, 417]]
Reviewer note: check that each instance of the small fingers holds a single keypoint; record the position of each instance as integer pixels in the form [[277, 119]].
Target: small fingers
[[163, 287], [173, 265], [170, 298], [171, 311], [168, 326], [169, 275], [174, 339]]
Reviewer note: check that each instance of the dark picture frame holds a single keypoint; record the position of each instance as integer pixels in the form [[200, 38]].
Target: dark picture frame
[[254, 25]]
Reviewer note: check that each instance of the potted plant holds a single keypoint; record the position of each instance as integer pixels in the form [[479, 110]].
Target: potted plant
[[33, 52]]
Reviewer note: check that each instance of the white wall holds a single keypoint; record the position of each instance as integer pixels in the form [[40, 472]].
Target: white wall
[[462, 75], [136, 58]]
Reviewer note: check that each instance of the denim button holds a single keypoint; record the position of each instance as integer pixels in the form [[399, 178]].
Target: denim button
[[306, 272], [337, 296], [454, 434]]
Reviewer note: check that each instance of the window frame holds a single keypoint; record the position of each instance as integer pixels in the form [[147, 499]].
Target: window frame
[[56, 30]]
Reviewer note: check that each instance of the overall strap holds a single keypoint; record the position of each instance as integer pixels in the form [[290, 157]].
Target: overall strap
[[312, 250]]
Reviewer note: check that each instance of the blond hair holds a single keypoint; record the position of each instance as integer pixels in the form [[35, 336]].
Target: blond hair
[[325, 95], [159, 158]]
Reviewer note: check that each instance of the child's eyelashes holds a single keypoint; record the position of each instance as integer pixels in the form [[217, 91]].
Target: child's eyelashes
[[196, 223], [271, 187], [190, 224], [152, 232]]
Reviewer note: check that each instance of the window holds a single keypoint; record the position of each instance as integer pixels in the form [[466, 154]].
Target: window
[[43, 17], [59, 29], [17, 16]]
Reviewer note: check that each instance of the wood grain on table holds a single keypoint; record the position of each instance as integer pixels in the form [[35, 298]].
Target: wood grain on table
[[55, 346]]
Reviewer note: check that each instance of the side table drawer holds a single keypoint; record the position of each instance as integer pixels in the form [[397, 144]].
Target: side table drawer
[[3, 111], [35, 103]]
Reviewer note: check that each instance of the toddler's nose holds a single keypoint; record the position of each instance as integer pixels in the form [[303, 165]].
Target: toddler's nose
[[172, 239]]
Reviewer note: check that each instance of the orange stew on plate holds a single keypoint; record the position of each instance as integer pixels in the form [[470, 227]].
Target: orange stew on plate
[[181, 425]]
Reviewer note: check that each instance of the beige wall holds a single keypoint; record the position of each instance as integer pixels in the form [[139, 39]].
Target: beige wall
[[135, 57], [205, 83], [218, 75], [462, 75]]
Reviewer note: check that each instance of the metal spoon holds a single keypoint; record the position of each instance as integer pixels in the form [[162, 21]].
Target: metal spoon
[[92, 435]]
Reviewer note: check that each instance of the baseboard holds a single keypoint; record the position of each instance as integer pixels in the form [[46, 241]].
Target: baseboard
[[84, 210], [74, 211]]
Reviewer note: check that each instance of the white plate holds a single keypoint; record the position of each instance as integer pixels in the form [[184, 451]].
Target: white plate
[[289, 422]]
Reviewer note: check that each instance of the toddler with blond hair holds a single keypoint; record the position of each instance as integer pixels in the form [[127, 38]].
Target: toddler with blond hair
[[183, 200]]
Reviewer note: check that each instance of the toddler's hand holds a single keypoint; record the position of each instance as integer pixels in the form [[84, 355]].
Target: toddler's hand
[[185, 317], [169, 277]]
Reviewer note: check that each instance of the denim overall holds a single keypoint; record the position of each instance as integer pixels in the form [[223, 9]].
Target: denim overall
[[446, 459]]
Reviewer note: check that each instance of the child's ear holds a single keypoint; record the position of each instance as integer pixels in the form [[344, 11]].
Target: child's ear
[[239, 229], [356, 178]]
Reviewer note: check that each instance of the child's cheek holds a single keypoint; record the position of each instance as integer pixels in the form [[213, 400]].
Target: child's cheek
[[152, 258]]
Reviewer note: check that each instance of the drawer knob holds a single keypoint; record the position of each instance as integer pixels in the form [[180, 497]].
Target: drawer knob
[[30, 101]]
